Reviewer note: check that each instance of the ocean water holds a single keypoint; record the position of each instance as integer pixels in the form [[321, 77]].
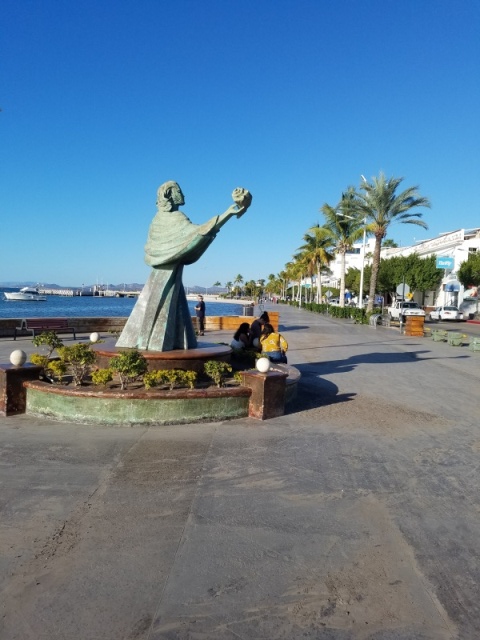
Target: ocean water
[[95, 307]]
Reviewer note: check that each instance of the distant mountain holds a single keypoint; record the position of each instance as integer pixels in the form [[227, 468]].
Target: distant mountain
[[134, 286]]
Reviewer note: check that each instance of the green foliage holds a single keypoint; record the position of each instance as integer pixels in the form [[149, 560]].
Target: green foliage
[[353, 313], [237, 376], [48, 339], [102, 376], [79, 358], [421, 274], [129, 365], [56, 369], [52, 368], [217, 371], [170, 377], [39, 360], [469, 272]]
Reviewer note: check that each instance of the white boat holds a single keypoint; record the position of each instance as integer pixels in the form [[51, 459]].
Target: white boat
[[26, 294]]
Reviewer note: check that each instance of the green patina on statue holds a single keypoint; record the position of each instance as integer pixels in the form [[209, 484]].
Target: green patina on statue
[[160, 320]]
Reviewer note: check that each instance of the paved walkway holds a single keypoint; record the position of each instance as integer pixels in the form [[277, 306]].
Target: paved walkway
[[357, 515]]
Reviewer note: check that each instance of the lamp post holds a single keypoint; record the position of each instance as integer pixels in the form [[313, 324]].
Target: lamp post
[[362, 265], [362, 268]]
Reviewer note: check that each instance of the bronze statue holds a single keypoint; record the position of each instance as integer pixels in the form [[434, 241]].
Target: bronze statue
[[160, 320]]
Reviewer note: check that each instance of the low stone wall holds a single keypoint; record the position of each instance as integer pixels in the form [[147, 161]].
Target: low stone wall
[[124, 408], [106, 325], [81, 325]]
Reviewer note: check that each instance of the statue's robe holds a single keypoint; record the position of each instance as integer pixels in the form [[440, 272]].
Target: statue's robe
[[160, 320]]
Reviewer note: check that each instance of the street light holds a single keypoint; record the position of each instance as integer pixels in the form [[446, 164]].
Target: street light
[[362, 265]]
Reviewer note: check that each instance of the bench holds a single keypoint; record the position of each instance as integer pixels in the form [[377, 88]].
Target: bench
[[44, 324]]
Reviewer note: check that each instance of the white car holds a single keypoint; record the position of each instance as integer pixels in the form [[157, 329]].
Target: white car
[[446, 313]]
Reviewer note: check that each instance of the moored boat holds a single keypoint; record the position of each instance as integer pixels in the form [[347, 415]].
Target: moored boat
[[26, 294]]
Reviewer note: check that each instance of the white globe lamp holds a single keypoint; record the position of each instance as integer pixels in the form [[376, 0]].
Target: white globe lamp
[[263, 365], [94, 337], [18, 357]]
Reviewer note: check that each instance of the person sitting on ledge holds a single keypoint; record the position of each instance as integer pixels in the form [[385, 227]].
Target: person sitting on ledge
[[241, 338], [274, 345], [256, 329]]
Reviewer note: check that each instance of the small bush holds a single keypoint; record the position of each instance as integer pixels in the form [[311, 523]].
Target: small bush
[[171, 378], [101, 376], [79, 358], [129, 365], [48, 339], [217, 371]]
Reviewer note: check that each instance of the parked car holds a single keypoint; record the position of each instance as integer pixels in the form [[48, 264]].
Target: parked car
[[446, 313]]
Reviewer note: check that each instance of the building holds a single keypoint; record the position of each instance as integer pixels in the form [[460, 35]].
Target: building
[[451, 248]]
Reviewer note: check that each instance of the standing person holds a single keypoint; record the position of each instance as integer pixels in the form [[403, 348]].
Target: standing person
[[200, 313], [256, 329]]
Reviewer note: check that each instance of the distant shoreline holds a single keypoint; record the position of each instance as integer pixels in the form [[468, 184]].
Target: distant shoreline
[[212, 297]]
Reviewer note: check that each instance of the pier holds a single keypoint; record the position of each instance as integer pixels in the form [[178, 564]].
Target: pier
[[89, 291]]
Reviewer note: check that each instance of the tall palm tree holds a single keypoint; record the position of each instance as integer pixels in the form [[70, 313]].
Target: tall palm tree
[[302, 267], [317, 244], [229, 286], [381, 206], [238, 281], [344, 227]]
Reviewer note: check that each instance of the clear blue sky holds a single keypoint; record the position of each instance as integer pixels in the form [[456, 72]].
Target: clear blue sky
[[293, 99]]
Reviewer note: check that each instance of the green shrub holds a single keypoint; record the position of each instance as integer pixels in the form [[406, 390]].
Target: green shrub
[[79, 358], [170, 377], [55, 369], [102, 376], [217, 371], [129, 365], [48, 339]]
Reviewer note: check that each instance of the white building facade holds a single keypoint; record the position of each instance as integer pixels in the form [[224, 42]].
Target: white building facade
[[453, 247]]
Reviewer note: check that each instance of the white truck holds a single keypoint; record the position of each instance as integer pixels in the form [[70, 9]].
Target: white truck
[[400, 309]]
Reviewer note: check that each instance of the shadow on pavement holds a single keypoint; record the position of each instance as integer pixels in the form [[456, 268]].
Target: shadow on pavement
[[316, 392], [293, 327], [349, 364]]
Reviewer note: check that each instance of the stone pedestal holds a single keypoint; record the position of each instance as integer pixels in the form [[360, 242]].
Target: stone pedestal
[[12, 392], [268, 393]]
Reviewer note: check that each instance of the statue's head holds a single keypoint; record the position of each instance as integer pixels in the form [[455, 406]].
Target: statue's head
[[169, 196]]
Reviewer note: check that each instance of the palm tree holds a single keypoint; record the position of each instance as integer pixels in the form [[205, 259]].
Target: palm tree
[[317, 244], [344, 227], [301, 267], [229, 286], [217, 284], [238, 282], [381, 207]]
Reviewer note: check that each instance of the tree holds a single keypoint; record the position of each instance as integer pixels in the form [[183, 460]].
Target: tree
[[344, 227], [469, 272], [229, 286], [238, 282], [316, 249], [381, 206], [217, 284], [388, 242]]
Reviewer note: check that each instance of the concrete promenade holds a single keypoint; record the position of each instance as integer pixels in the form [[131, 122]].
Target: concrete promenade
[[356, 515]]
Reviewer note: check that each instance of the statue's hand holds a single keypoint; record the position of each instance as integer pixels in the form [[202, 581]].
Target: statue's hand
[[235, 210], [243, 199]]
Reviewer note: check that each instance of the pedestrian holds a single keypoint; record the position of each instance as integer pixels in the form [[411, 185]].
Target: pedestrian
[[200, 313]]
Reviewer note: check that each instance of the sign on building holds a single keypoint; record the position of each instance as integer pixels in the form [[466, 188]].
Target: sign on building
[[445, 262]]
